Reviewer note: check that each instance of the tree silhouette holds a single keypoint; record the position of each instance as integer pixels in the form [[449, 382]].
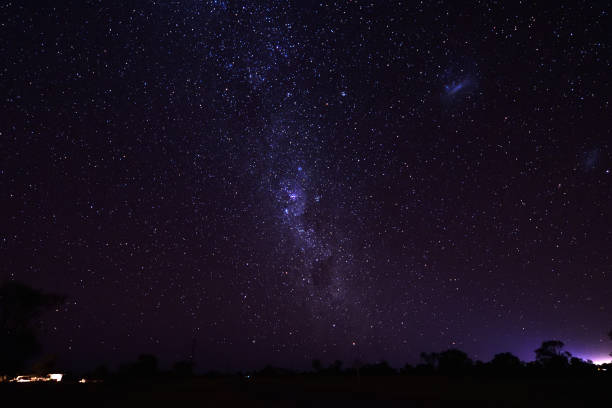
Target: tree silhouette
[[454, 361], [506, 361], [430, 359], [47, 364], [144, 368], [551, 355], [20, 305], [581, 367], [146, 365], [504, 364], [451, 362], [99, 373], [407, 369], [335, 367], [316, 365], [379, 369]]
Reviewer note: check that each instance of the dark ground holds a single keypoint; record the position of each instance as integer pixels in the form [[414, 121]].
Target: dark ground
[[304, 391]]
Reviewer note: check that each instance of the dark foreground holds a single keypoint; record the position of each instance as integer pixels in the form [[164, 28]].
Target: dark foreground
[[305, 391]]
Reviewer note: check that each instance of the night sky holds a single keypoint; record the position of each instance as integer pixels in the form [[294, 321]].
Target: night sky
[[279, 181]]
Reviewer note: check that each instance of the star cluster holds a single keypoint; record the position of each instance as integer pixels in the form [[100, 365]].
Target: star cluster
[[278, 181]]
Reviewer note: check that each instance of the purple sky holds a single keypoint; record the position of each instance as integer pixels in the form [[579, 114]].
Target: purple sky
[[280, 181]]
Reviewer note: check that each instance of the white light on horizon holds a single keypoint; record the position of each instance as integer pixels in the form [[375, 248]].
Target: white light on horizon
[[602, 360], [36, 378], [56, 377]]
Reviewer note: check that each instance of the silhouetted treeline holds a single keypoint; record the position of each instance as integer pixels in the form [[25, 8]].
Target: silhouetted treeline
[[21, 306], [550, 361], [145, 368]]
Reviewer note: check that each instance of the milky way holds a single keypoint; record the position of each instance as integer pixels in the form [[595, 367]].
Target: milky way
[[276, 181]]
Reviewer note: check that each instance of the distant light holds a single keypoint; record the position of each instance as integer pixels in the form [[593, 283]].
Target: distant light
[[34, 378], [86, 381], [56, 377], [600, 361]]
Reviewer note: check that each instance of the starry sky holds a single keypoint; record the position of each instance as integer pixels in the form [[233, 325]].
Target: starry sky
[[277, 181]]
